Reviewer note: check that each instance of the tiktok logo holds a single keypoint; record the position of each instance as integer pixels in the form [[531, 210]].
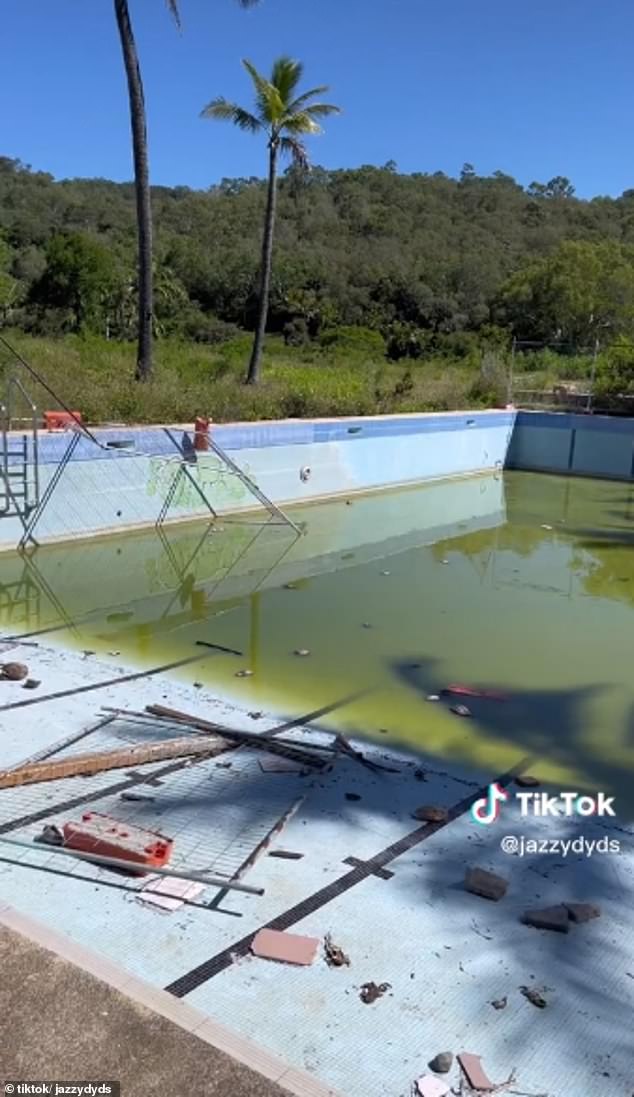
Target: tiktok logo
[[488, 809]]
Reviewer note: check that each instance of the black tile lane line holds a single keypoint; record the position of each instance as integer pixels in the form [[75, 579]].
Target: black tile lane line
[[223, 960]]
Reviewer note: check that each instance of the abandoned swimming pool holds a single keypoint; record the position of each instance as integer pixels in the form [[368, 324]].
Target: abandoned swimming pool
[[522, 582]]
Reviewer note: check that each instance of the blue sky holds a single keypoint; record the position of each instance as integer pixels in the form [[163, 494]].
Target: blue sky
[[535, 90]]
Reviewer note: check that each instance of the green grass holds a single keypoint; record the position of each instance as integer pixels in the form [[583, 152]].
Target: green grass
[[95, 376]]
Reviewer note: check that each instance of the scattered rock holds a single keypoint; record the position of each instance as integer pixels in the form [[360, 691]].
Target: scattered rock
[[369, 992], [366, 624], [301, 651], [582, 912], [51, 836], [114, 653], [384, 731], [420, 775], [256, 715], [290, 586], [348, 502], [544, 526], [31, 683], [433, 697], [486, 884], [385, 573], [243, 674], [461, 710], [534, 996], [441, 1063], [335, 956], [499, 1003], [352, 796], [87, 653], [444, 561], [555, 918], [15, 672], [430, 814], [198, 685], [224, 765], [524, 780]]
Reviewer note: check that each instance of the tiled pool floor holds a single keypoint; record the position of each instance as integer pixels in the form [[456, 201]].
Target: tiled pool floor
[[405, 920]]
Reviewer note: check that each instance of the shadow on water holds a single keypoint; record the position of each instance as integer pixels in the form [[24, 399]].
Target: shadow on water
[[545, 724]]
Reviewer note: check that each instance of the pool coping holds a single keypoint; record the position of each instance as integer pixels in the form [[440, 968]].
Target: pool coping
[[180, 1013]]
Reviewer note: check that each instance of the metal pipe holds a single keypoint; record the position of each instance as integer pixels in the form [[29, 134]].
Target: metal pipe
[[118, 862]]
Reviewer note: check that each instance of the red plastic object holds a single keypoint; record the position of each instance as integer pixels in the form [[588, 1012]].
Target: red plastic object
[[201, 433], [61, 420], [108, 837], [471, 691]]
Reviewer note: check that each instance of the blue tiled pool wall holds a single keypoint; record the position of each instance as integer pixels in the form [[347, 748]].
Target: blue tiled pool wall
[[582, 445], [105, 490]]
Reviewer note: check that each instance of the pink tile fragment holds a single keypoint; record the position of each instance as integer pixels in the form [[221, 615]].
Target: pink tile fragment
[[472, 1067], [428, 1086], [169, 893], [290, 948]]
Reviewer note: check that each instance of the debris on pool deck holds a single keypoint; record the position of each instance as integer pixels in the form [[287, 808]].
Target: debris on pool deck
[[336, 902]]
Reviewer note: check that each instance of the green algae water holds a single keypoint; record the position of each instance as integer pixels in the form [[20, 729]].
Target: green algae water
[[519, 583]]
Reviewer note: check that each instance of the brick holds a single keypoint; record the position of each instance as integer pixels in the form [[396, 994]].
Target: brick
[[486, 884], [555, 918], [582, 912], [428, 813]]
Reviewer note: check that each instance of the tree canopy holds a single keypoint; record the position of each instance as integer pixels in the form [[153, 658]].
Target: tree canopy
[[418, 257]]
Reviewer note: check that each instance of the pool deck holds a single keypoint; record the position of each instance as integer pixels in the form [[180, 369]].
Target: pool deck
[[388, 888]]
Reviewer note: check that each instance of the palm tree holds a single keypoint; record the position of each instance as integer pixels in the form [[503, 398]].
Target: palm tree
[[284, 117], [144, 364]]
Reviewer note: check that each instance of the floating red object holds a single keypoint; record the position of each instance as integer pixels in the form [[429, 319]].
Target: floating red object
[[472, 691]]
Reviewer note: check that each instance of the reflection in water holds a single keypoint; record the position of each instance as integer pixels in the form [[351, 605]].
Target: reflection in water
[[525, 583]]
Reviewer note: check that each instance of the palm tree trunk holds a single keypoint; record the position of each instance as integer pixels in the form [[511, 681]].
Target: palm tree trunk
[[144, 363], [253, 375]]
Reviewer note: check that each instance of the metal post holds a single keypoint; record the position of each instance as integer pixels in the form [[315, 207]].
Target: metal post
[[136, 866], [509, 391], [593, 376]]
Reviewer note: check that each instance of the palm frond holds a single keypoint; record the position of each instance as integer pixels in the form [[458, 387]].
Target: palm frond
[[285, 76], [174, 12], [322, 110], [267, 97], [289, 146], [301, 122], [302, 99], [222, 110]]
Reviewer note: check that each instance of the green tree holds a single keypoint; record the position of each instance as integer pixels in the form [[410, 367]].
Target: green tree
[[9, 286], [81, 277], [138, 124], [284, 117], [580, 293]]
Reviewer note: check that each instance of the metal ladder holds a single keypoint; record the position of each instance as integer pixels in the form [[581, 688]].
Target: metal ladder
[[19, 465]]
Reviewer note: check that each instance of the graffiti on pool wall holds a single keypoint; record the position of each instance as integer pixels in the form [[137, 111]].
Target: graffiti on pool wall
[[220, 485]]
